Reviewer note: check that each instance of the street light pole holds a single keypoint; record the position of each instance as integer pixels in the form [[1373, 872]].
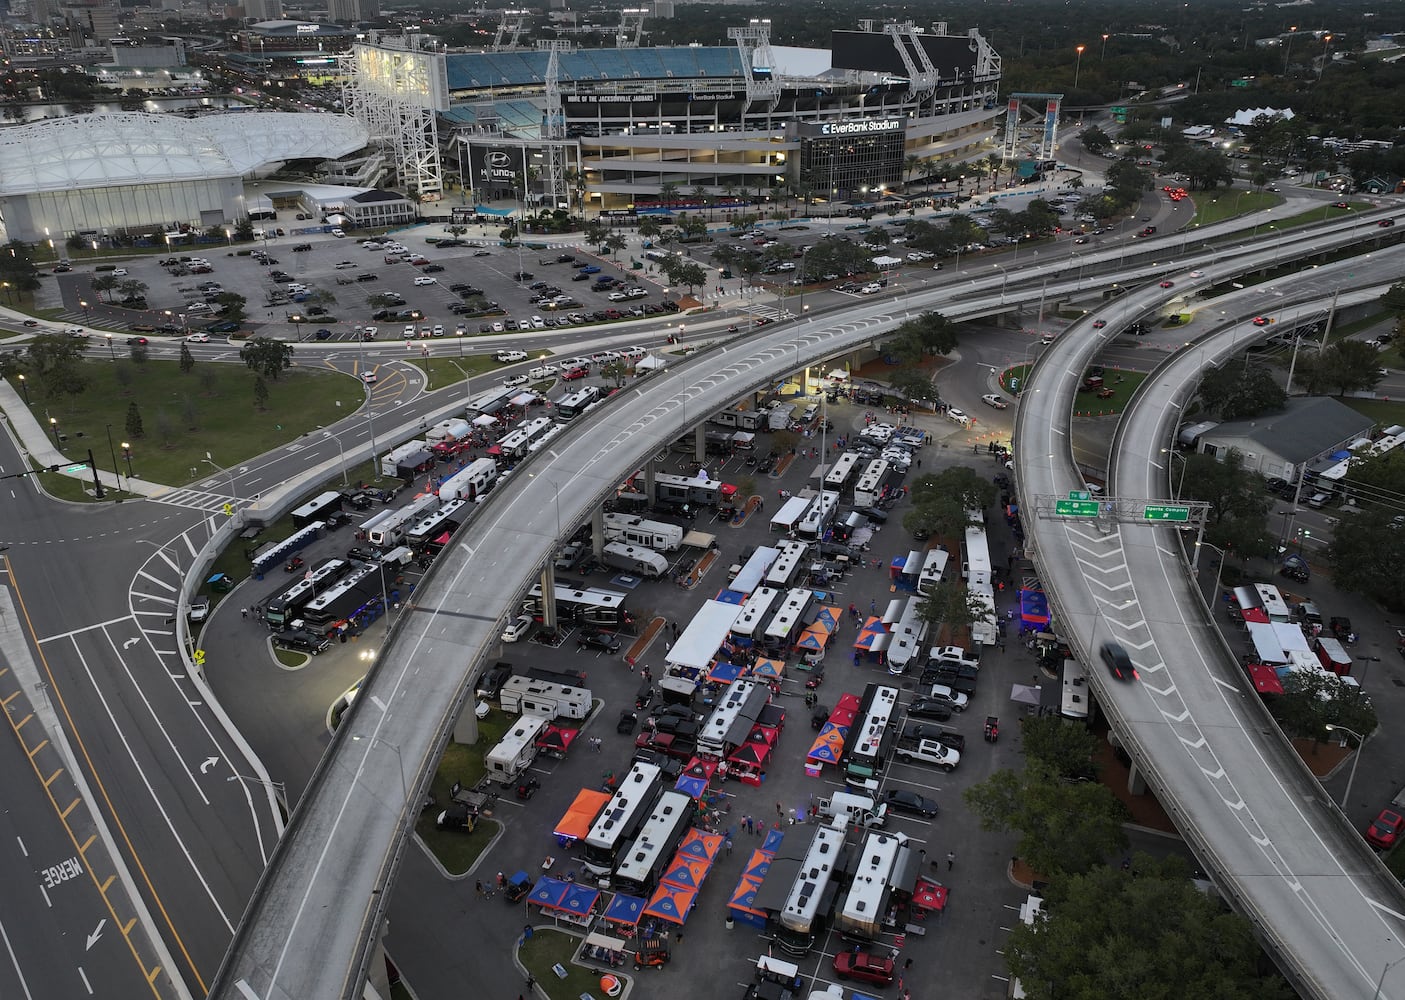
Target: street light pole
[[340, 451], [1219, 570], [54, 429], [116, 469], [127, 454], [24, 388], [1381, 982], [1078, 66], [233, 496], [1355, 759]]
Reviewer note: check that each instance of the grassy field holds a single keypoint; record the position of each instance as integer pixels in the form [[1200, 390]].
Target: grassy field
[[548, 948], [441, 372], [185, 416], [1122, 384], [1386, 412], [462, 763], [1216, 206]]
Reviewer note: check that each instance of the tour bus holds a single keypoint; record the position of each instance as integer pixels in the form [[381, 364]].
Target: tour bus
[[283, 609], [621, 819], [470, 482], [317, 508], [789, 622], [572, 406], [884, 864], [755, 614], [933, 569], [841, 473], [591, 606], [821, 512], [788, 565], [812, 894], [348, 597], [870, 485], [907, 638], [644, 862], [732, 718], [447, 518], [870, 738], [975, 562]]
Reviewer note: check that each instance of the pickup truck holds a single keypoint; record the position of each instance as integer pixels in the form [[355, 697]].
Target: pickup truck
[[681, 747], [931, 752]]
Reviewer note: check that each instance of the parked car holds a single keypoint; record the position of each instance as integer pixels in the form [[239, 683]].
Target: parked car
[[596, 639], [905, 800], [199, 609], [930, 708], [864, 966], [995, 400], [1385, 829], [518, 629]]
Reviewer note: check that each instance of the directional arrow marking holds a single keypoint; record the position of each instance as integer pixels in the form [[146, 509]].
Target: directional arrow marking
[[97, 933], [130, 643], [208, 763]]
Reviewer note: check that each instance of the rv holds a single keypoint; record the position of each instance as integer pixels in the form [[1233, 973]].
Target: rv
[[470, 482], [516, 751], [392, 530], [529, 696], [634, 559], [635, 530], [392, 463]]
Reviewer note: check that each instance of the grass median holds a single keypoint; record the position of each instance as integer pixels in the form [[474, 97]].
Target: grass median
[[462, 762], [185, 415], [546, 949]]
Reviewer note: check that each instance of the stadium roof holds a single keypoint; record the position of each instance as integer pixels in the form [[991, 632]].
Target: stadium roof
[[111, 150], [475, 70]]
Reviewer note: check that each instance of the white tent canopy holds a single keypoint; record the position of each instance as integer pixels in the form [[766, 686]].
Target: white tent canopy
[[649, 363], [704, 635], [484, 419]]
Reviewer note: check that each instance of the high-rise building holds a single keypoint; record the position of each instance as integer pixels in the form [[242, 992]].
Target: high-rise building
[[352, 11], [264, 10], [93, 20]]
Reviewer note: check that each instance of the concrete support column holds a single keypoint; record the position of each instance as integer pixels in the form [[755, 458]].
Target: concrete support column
[[597, 532], [548, 582], [1136, 784], [466, 725], [700, 444], [650, 468], [377, 978]]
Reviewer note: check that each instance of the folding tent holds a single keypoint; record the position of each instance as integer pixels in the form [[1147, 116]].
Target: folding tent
[[700, 845], [1034, 608], [548, 893], [625, 910], [579, 900], [671, 903], [686, 873], [723, 672], [579, 818]]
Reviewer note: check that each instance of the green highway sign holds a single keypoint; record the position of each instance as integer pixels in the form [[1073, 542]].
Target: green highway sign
[[1161, 512], [1079, 495], [1076, 508], [75, 468]]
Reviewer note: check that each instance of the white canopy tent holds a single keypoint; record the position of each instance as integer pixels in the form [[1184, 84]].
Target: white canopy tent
[[649, 363], [704, 635]]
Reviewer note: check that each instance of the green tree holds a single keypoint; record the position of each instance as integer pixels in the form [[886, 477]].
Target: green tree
[[266, 356], [132, 291], [187, 361], [260, 393], [104, 283], [1239, 509], [1095, 140], [1349, 366], [1315, 699], [1145, 932], [244, 230], [1366, 553], [1067, 748], [915, 385], [134, 425], [613, 244], [232, 306], [1063, 826], [615, 371], [1237, 392], [941, 502], [950, 603], [649, 227], [56, 364]]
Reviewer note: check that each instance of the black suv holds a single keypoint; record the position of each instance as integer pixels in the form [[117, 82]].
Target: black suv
[[302, 641], [594, 639]]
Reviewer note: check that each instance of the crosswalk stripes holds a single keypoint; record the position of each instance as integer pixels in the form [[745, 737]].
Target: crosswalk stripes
[[193, 500]]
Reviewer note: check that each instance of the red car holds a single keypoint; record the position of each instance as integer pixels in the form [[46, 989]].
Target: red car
[[1386, 223], [1262, 321], [864, 966], [1168, 284], [571, 374], [1385, 829], [1098, 324]]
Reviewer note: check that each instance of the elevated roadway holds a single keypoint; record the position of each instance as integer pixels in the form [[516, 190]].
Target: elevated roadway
[[1275, 843], [310, 927]]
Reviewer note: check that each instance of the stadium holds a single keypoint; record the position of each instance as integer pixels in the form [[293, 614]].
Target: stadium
[[634, 128], [99, 175]]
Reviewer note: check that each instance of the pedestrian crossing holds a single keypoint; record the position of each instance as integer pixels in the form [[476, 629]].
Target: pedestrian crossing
[[210, 503]]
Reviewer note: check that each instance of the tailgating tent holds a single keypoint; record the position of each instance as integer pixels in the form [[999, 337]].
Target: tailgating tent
[[768, 669], [723, 672], [829, 744], [1034, 608], [754, 571], [579, 818], [1024, 694], [525, 399], [695, 777], [625, 910], [700, 845], [580, 900], [671, 903], [557, 740], [830, 618], [686, 873], [484, 419], [548, 893], [649, 363], [704, 635], [740, 906], [1265, 678], [929, 895], [813, 639], [751, 755]]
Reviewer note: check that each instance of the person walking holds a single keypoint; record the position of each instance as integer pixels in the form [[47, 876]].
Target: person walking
[[950, 860]]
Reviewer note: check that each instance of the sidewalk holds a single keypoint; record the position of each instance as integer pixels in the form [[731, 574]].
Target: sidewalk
[[39, 447]]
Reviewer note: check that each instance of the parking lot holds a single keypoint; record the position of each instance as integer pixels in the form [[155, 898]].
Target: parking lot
[[958, 941]]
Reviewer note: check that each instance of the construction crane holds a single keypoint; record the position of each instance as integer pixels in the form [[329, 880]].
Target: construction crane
[[512, 26]]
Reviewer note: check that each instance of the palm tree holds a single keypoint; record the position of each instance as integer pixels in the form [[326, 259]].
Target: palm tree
[[995, 162], [911, 164], [977, 169], [668, 192]]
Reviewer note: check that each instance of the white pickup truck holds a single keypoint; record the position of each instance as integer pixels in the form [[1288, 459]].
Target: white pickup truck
[[928, 752]]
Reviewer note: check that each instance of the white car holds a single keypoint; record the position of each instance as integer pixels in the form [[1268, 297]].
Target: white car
[[199, 338], [509, 357], [542, 371], [538, 323], [425, 279], [438, 329], [570, 363], [343, 265], [518, 628], [872, 288], [995, 400], [369, 332], [339, 234], [199, 609], [515, 380], [956, 699], [498, 327], [881, 433], [409, 331], [368, 377], [897, 458], [460, 330], [952, 413], [1197, 274]]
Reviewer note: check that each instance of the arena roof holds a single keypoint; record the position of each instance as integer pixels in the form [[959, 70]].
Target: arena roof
[[474, 70], [110, 150]]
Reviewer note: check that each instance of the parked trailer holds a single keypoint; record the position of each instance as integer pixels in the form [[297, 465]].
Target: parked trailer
[[817, 517], [743, 420], [884, 860], [490, 401], [392, 530], [516, 750], [678, 489], [453, 429], [517, 443], [933, 569], [634, 559], [870, 485], [635, 530], [390, 462], [447, 518], [470, 482], [778, 417], [317, 508], [529, 696]]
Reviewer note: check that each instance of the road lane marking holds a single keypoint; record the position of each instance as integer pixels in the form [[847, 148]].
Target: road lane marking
[[97, 625]]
